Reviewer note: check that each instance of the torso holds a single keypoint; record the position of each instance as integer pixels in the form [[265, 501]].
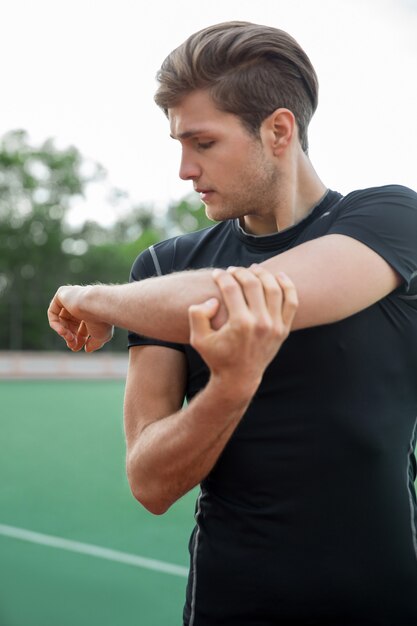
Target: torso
[[309, 516]]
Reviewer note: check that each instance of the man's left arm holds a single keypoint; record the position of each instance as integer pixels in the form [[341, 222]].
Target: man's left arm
[[335, 277]]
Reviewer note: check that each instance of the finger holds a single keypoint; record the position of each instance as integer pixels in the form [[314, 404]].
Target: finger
[[61, 330], [66, 330], [54, 308], [253, 290], [272, 291], [71, 329], [200, 316], [66, 321], [76, 343], [80, 337], [232, 294], [66, 315], [94, 343], [54, 319], [82, 331], [290, 299]]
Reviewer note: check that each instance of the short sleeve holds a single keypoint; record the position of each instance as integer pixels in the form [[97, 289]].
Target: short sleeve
[[147, 265], [384, 219]]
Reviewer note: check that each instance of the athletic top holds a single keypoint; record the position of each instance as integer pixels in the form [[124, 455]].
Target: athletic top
[[309, 516]]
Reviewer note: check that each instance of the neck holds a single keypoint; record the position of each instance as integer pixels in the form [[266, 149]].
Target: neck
[[299, 190]]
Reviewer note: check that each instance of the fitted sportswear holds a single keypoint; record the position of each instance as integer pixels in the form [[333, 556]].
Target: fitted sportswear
[[309, 515]]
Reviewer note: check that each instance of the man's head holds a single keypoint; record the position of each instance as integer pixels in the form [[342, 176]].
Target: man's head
[[249, 70]]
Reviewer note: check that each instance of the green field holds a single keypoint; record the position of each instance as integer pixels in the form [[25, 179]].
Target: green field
[[62, 475]]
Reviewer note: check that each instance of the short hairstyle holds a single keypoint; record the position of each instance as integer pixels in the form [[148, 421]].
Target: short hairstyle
[[249, 70]]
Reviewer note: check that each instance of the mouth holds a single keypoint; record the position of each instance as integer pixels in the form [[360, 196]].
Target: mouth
[[205, 194]]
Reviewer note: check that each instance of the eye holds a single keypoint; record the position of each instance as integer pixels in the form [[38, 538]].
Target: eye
[[204, 145]]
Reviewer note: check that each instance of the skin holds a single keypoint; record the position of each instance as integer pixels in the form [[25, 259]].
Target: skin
[[246, 178], [173, 449], [237, 319]]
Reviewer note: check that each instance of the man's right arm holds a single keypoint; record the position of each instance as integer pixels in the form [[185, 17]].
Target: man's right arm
[[170, 450]]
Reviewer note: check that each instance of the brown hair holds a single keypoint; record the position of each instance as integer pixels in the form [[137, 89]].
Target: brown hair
[[248, 69]]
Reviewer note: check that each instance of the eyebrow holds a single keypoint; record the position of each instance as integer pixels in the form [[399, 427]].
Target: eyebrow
[[189, 133]]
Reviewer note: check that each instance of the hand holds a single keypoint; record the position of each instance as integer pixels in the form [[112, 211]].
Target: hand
[[67, 319], [260, 309]]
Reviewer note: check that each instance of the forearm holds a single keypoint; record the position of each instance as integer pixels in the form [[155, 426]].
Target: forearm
[[335, 276], [155, 307], [173, 454], [167, 456]]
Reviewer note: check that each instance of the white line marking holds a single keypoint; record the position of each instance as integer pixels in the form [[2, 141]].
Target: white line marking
[[91, 550]]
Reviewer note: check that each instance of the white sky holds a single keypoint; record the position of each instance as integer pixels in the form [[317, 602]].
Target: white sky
[[83, 71]]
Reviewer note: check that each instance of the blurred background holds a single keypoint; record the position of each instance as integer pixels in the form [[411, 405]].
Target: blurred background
[[88, 179], [88, 172]]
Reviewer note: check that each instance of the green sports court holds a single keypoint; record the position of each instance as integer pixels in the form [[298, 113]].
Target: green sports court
[[76, 549]]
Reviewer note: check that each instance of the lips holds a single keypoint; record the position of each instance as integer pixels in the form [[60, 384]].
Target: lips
[[205, 193]]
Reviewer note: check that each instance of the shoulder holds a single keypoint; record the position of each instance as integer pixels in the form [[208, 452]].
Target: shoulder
[[180, 252], [383, 195], [385, 220], [389, 205], [193, 239]]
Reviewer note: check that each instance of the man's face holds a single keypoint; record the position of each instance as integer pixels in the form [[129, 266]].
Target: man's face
[[229, 167]]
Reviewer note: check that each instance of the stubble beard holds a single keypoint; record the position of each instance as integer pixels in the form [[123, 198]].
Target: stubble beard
[[256, 193]]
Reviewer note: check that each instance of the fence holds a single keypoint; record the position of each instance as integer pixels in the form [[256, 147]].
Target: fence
[[61, 365]]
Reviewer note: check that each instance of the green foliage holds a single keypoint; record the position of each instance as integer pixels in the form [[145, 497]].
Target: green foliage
[[36, 186], [40, 251], [186, 216]]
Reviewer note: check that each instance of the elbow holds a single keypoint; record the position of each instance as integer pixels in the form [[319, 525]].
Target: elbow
[[149, 496], [152, 504]]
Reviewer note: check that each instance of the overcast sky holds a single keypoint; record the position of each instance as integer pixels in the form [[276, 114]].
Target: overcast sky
[[83, 72]]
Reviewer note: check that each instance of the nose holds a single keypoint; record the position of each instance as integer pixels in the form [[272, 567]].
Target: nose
[[189, 167]]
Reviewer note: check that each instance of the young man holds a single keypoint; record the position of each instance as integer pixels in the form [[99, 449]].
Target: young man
[[307, 510]]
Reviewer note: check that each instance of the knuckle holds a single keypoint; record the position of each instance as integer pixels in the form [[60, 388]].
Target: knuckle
[[272, 288], [265, 327], [280, 330], [195, 340], [246, 277], [265, 275], [251, 279], [290, 290], [244, 324], [228, 287], [293, 301]]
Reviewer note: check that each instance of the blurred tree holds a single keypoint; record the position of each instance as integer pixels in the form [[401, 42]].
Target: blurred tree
[[37, 184], [186, 216], [112, 251], [39, 250]]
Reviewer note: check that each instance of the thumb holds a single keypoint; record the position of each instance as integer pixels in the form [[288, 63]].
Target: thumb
[[199, 316], [92, 344], [97, 340]]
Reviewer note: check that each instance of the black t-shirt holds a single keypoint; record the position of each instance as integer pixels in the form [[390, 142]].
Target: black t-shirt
[[309, 516]]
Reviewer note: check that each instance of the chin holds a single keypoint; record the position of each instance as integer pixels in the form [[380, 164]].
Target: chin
[[220, 213], [212, 214]]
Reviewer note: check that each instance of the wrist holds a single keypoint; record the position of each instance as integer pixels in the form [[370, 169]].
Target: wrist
[[233, 391], [89, 302]]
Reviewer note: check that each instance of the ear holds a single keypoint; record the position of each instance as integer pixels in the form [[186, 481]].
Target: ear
[[279, 130]]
